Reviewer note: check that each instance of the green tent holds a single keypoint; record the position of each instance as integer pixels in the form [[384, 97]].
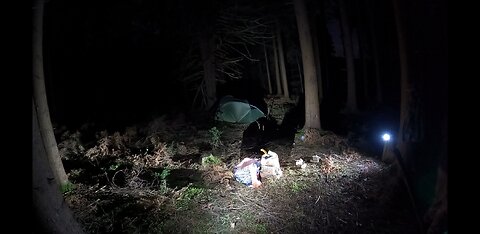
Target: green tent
[[237, 111]]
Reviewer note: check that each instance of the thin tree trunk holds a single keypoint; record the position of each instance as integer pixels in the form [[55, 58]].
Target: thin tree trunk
[[316, 54], [312, 107], [207, 50], [277, 68], [300, 75], [51, 212], [40, 97], [375, 55], [268, 70], [283, 72], [351, 106]]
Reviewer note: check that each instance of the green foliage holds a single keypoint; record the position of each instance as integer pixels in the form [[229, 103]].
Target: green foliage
[[251, 223], [67, 187], [188, 196], [165, 173], [215, 136], [260, 228], [297, 187], [210, 160], [300, 133], [114, 167], [162, 177]]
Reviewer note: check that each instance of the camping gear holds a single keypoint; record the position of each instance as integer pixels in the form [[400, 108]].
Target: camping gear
[[298, 162], [270, 165], [235, 110], [247, 172]]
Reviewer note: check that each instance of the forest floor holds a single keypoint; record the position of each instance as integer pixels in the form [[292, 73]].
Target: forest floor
[[175, 175]]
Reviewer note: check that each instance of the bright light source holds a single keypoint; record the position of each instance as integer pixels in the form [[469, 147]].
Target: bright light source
[[386, 137]]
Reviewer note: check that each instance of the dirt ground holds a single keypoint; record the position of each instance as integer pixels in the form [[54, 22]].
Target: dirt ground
[[174, 175]]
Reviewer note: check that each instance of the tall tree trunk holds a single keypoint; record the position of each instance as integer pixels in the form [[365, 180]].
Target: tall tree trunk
[[351, 106], [316, 54], [52, 214], [40, 97], [207, 50], [268, 70], [300, 75], [437, 215], [411, 122], [283, 72], [277, 68], [375, 55], [312, 107], [405, 84]]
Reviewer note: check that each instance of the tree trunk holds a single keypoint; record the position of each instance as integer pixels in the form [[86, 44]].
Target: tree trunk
[[52, 214], [268, 70], [405, 85], [207, 50], [312, 107], [277, 68], [281, 59], [316, 54], [351, 106], [375, 55], [437, 215], [40, 97], [300, 75]]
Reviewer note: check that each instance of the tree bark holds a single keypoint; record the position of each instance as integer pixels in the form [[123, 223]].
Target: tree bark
[[351, 106], [312, 107], [52, 214], [437, 215], [207, 50], [40, 97], [300, 77], [277, 68], [268, 70], [281, 59], [405, 84], [316, 54]]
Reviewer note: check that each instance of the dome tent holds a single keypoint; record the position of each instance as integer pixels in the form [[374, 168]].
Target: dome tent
[[235, 110]]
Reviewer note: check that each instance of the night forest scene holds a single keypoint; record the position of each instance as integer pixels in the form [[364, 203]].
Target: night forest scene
[[239, 116]]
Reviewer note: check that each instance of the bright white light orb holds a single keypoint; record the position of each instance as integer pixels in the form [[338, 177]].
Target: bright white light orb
[[386, 137]]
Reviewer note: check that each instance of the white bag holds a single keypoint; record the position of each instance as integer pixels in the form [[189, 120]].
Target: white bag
[[270, 165]]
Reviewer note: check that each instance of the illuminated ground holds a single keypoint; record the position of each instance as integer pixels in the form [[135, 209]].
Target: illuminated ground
[[151, 179]]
